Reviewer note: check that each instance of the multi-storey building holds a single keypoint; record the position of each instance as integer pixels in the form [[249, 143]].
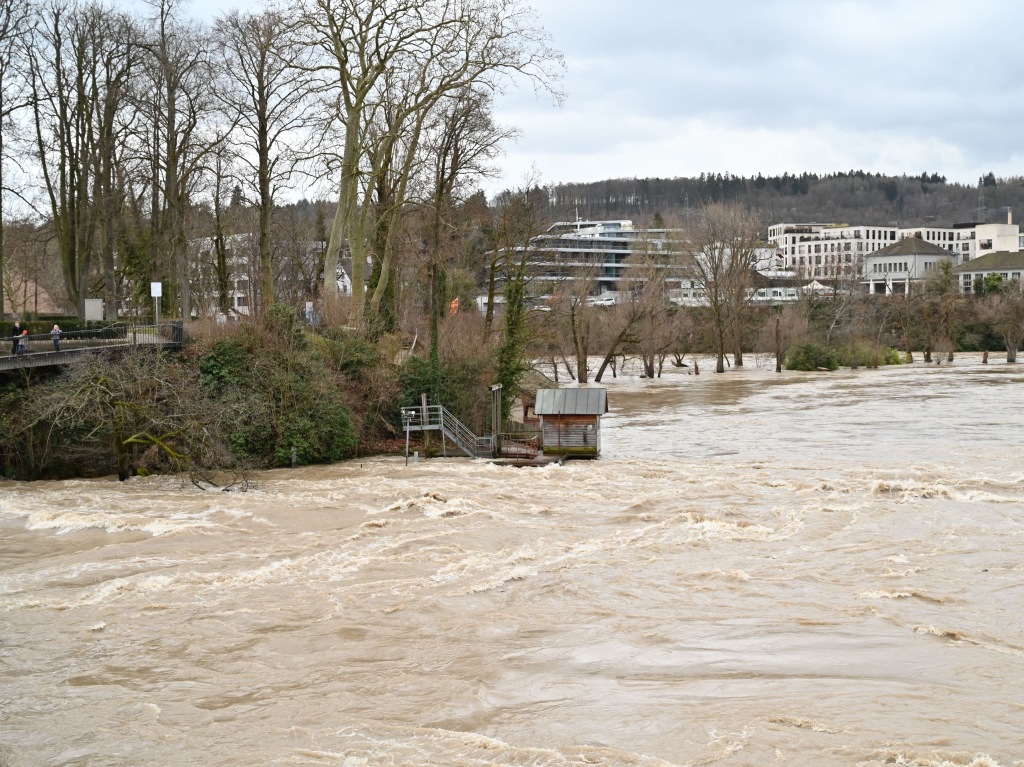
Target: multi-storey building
[[596, 250], [1009, 265], [823, 250], [602, 252]]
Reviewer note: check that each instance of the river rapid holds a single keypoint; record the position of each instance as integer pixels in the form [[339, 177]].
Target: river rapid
[[762, 569]]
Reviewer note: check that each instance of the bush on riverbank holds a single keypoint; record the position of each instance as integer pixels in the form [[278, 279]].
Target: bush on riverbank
[[245, 399], [811, 356], [252, 394], [867, 355]]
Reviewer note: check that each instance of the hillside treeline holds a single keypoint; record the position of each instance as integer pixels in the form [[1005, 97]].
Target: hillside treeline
[[852, 196]]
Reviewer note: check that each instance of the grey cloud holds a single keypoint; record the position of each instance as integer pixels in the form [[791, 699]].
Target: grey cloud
[[941, 71]]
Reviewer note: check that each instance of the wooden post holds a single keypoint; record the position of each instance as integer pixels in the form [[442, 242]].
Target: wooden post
[[407, 418], [425, 420], [778, 347], [496, 420]]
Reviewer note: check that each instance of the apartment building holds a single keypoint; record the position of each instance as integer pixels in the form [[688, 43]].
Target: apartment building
[[597, 250], [835, 250]]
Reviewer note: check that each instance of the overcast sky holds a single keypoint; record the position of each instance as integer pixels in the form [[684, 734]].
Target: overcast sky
[[673, 88], [676, 87]]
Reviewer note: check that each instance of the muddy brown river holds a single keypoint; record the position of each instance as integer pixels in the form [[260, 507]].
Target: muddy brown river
[[762, 569]]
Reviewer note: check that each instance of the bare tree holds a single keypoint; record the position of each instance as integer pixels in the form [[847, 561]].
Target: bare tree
[[577, 316], [15, 17], [267, 81], [518, 221], [642, 305], [176, 100], [461, 140], [429, 47], [118, 65], [80, 62]]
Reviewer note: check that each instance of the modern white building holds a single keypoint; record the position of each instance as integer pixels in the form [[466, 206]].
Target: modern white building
[[832, 250], [603, 251]]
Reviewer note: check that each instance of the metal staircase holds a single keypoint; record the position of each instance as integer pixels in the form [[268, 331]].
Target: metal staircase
[[438, 418]]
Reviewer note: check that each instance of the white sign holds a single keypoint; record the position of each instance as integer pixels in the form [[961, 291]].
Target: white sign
[[156, 289], [93, 309]]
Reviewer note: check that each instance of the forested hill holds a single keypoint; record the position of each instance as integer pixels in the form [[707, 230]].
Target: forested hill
[[854, 197]]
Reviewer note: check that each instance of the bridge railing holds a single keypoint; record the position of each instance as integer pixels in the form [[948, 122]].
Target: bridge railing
[[109, 335]]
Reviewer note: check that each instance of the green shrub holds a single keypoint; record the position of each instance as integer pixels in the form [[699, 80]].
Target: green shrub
[[892, 357], [811, 356], [227, 364], [284, 325], [348, 352]]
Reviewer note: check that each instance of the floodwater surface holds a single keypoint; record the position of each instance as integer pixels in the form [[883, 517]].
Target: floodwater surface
[[762, 569]]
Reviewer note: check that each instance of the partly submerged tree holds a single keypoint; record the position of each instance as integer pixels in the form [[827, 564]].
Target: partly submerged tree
[[721, 248], [1004, 309]]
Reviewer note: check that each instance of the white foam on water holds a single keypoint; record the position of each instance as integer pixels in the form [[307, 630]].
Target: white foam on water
[[912, 757], [64, 522]]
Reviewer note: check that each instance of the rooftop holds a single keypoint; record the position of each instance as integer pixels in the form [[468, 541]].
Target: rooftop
[[993, 261], [911, 246], [576, 401]]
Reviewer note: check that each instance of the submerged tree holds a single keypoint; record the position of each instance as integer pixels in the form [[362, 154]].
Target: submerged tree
[[721, 252], [1004, 310]]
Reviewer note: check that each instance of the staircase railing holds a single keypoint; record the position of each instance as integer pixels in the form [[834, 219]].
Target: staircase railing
[[438, 417]]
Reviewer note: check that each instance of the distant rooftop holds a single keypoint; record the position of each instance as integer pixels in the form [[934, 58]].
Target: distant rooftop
[[911, 246], [992, 261]]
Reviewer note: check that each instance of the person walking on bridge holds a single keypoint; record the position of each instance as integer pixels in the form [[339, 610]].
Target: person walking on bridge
[[55, 335], [22, 341], [15, 337]]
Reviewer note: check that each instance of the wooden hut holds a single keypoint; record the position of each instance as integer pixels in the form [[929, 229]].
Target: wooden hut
[[570, 420]]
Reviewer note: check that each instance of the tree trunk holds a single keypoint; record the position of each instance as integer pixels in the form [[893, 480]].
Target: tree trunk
[[266, 208]]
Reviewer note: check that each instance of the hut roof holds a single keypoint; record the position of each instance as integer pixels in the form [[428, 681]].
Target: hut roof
[[572, 401]]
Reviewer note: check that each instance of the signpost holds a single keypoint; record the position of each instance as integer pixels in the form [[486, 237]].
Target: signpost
[[156, 290]]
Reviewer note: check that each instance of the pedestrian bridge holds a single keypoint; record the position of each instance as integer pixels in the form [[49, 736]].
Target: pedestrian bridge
[[40, 352]]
